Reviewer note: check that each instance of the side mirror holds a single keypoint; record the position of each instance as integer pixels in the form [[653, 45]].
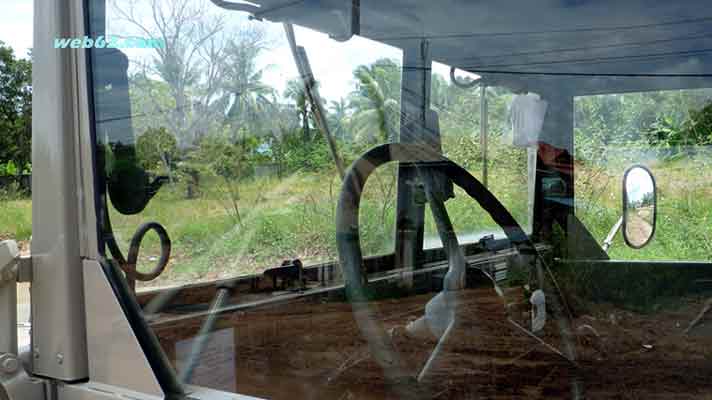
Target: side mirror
[[639, 206], [129, 185]]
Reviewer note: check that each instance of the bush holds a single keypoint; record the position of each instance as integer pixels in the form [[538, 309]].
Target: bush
[[11, 169], [681, 138], [156, 147], [311, 156]]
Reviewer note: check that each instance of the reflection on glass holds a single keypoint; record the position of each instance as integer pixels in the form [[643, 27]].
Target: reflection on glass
[[251, 195], [639, 213]]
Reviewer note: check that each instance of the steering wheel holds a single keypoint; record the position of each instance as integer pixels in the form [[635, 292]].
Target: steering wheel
[[351, 258]]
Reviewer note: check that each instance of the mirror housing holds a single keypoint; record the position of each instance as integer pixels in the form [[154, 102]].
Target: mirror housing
[[129, 185], [639, 206]]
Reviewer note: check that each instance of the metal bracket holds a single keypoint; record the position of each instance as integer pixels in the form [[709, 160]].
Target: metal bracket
[[24, 269], [19, 269], [15, 383], [8, 299], [8, 261]]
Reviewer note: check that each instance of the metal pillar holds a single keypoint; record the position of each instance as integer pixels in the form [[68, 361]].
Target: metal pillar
[[58, 321], [8, 297], [484, 125], [415, 102]]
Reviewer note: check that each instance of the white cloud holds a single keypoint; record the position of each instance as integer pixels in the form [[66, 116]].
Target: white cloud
[[16, 25]]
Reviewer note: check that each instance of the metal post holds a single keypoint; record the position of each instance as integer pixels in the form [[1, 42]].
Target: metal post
[[8, 314], [608, 242], [531, 185], [310, 89], [483, 131], [58, 320], [415, 102], [8, 297]]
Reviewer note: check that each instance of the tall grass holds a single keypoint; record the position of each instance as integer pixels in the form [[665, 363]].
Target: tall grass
[[15, 214], [294, 217], [683, 233], [684, 223], [15, 219], [281, 219]]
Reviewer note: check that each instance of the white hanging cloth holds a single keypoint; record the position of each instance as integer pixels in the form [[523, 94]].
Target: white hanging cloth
[[526, 114]]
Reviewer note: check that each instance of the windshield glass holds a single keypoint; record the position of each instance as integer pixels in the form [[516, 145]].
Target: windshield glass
[[668, 132], [227, 152], [364, 200], [249, 178]]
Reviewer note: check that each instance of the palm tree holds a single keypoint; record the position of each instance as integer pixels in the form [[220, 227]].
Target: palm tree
[[339, 118], [250, 99], [376, 101], [295, 92]]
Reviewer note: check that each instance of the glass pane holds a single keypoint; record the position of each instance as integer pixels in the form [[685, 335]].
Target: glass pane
[[665, 131], [323, 247], [226, 143], [497, 160]]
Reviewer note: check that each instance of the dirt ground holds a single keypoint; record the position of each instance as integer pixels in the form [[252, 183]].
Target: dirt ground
[[639, 228], [315, 350]]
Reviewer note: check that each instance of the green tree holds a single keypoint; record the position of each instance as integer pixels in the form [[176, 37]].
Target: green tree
[[231, 161], [250, 99], [339, 119], [157, 147], [188, 62], [682, 137], [376, 102], [15, 109], [295, 93], [151, 102]]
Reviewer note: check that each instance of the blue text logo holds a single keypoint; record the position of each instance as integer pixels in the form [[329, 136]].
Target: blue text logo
[[110, 42]]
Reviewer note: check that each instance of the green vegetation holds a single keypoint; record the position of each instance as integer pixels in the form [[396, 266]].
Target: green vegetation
[[281, 218], [666, 131], [15, 218], [251, 180], [15, 112], [615, 131]]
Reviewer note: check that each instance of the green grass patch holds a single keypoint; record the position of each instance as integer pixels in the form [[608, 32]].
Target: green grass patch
[[295, 217], [15, 219]]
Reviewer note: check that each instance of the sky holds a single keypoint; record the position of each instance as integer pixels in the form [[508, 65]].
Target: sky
[[16, 25], [332, 62], [638, 184]]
